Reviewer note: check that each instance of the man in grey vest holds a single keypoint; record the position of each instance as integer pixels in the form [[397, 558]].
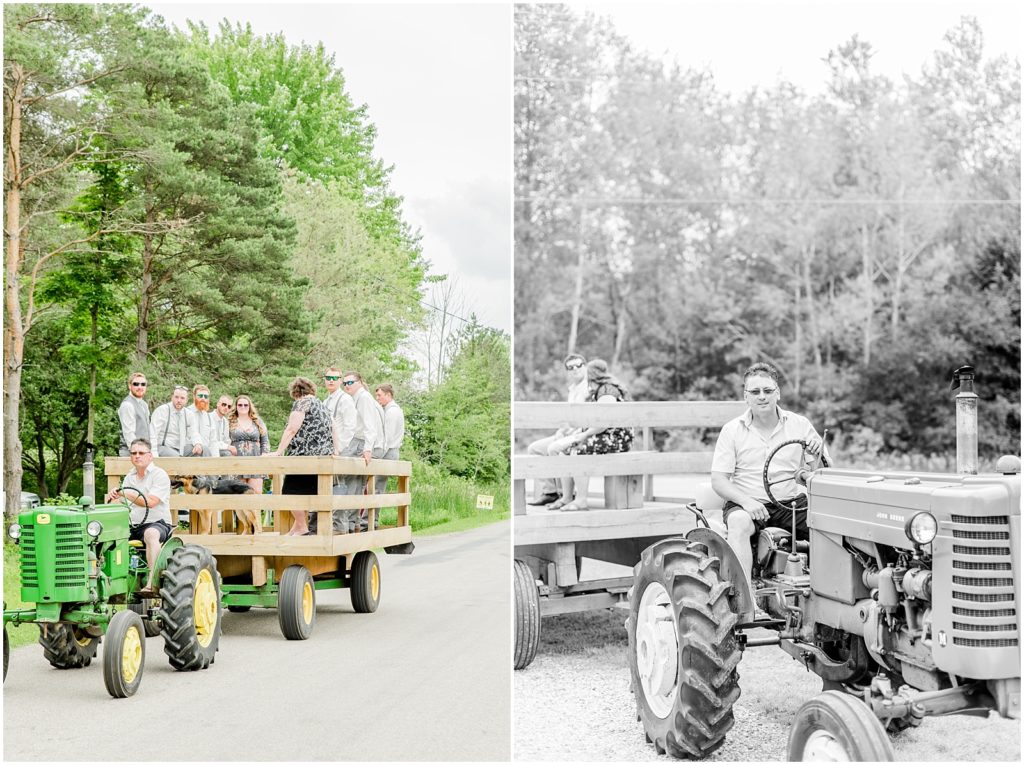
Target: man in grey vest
[[133, 413], [174, 429]]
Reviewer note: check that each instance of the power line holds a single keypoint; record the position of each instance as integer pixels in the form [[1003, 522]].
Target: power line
[[678, 201]]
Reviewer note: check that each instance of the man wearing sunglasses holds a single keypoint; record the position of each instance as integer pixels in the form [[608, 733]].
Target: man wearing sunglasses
[[738, 465], [147, 492], [174, 428], [133, 412], [368, 441], [342, 409], [213, 430], [560, 441]]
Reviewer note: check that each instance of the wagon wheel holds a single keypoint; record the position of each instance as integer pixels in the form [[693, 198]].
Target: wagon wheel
[[296, 603], [683, 652], [7, 652], [365, 586], [527, 615], [124, 654], [837, 727]]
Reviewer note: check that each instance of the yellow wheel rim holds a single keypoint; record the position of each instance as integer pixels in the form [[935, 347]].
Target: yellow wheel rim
[[204, 605], [82, 637], [307, 603], [375, 582], [131, 654]]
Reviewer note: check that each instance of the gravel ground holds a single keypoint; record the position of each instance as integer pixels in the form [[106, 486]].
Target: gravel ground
[[573, 703]]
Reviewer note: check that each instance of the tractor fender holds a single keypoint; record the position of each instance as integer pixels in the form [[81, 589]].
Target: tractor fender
[[731, 571], [172, 544]]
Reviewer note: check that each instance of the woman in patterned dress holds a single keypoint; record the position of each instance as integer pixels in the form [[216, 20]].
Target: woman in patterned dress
[[248, 435], [309, 432], [605, 388]]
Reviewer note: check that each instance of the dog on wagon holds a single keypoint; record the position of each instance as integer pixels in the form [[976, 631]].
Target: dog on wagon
[[248, 520]]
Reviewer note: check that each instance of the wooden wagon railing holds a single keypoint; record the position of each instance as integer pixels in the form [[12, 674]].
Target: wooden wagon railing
[[644, 417], [273, 544]]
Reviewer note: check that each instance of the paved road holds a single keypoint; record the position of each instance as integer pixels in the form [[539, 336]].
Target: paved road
[[426, 677]]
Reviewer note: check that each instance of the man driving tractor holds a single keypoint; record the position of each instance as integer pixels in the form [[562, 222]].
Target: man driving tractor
[[737, 467]]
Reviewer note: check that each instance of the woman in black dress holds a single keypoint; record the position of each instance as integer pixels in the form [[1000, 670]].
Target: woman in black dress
[[309, 432]]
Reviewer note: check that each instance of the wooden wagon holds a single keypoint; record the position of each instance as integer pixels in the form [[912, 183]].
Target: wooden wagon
[[550, 547], [272, 570]]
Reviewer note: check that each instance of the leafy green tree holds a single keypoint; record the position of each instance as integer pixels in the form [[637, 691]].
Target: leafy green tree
[[298, 93]]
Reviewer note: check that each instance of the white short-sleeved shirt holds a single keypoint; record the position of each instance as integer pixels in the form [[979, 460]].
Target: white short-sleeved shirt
[[741, 452], [155, 481]]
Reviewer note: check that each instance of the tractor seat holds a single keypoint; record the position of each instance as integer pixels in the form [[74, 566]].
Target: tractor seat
[[709, 503], [135, 543]]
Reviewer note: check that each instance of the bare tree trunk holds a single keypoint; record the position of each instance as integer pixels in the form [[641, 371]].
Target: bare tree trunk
[[145, 293], [798, 340], [812, 314], [577, 298], [14, 331], [869, 298]]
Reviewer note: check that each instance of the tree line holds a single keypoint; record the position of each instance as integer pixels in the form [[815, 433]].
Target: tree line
[[203, 207], [866, 240]]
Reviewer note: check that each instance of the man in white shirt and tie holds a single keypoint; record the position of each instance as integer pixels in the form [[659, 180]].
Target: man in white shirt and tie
[[394, 429], [173, 428], [368, 441], [342, 409]]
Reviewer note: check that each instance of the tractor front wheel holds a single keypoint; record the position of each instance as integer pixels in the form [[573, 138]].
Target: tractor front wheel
[[683, 652], [190, 613], [296, 603], [365, 585], [527, 634], [67, 646], [837, 727], [124, 655]]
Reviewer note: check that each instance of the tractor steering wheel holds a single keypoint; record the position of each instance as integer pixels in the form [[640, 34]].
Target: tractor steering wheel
[[805, 464], [127, 504]]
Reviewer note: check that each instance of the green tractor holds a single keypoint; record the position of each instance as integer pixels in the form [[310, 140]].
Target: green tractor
[[83, 574]]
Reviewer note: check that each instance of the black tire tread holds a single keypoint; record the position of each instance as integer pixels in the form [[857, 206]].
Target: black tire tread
[[177, 618], [62, 650], [527, 615], [709, 653]]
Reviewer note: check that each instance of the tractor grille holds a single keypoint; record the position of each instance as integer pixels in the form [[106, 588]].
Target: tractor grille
[[993, 608], [70, 565]]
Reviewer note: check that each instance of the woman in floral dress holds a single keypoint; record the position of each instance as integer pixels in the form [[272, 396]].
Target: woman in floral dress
[[248, 435], [309, 432]]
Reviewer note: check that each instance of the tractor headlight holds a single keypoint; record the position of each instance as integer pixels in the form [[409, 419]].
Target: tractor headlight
[[95, 528], [922, 528], [14, 531]]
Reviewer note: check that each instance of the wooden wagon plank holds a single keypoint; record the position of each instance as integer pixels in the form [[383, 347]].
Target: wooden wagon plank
[[551, 415], [625, 463]]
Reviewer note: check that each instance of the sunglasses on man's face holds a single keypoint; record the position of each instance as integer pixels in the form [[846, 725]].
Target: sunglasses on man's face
[[203, 395], [346, 383], [759, 391], [224, 405], [138, 454], [139, 384], [332, 378], [573, 365]]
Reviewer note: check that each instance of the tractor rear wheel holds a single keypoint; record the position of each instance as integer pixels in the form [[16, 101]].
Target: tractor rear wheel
[[683, 652], [190, 613], [67, 646], [124, 655], [527, 615], [837, 727], [365, 584], [152, 626], [296, 603]]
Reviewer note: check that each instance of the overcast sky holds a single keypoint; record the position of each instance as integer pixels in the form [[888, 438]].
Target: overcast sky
[[437, 82], [755, 43]]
